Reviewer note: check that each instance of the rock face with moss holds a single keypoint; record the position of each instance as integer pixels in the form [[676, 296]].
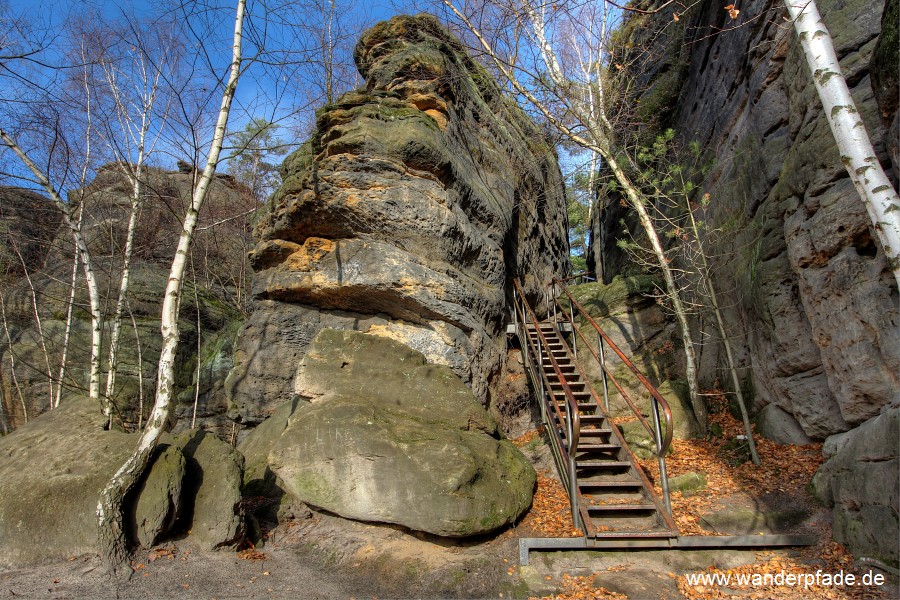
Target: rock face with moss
[[860, 481], [796, 252], [386, 436], [54, 467], [812, 303], [408, 213], [210, 307]]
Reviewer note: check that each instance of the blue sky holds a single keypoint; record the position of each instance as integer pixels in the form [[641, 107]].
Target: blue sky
[[260, 92]]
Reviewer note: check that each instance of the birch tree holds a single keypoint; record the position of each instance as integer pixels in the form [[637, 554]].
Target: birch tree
[[74, 225], [854, 144], [37, 100], [133, 80], [575, 109], [110, 515]]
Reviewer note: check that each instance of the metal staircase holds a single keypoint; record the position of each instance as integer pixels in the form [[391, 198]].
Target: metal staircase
[[610, 494], [613, 502]]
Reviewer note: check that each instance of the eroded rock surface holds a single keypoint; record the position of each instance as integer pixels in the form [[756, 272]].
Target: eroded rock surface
[[407, 214], [861, 482], [796, 258], [811, 301], [54, 467], [392, 438]]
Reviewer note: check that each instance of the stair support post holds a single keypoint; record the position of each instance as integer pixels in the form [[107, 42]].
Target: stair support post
[[663, 477], [574, 335], [603, 375], [573, 487], [551, 301], [540, 359]]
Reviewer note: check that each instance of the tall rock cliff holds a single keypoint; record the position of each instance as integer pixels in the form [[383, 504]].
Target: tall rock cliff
[[815, 308], [407, 214], [800, 255], [211, 309]]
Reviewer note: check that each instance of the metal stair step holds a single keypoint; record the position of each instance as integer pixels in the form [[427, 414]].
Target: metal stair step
[[586, 419], [602, 464], [598, 447], [607, 485], [600, 508], [605, 472], [599, 432], [629, 535], [570, 377]]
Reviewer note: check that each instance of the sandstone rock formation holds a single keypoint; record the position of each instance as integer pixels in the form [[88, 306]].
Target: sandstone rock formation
[[387, 437], [861, 480], [407, 214], [817, 307], [212, 313], [54, 467], [813, 305], [28, 225]]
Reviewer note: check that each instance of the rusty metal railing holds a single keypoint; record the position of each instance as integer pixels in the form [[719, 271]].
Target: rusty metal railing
[[661, 440], [578, 278], [565, 447]]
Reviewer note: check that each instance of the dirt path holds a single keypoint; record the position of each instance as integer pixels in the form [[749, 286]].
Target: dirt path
[[321, 556]]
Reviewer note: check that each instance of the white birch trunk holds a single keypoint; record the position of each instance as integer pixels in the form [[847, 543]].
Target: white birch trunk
[[87, 264], [857, 154], [116, 329], [38, 322], [637, 200], [139, 138], [12, 358], [69, 313], [110, 517], [726, 339], [140, 365]]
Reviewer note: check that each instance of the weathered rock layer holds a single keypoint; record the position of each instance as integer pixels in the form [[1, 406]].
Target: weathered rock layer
[[407, 214], [813, 304]]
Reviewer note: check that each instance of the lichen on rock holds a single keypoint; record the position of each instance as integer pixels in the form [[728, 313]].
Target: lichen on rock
[[389, 437], [416, 201]]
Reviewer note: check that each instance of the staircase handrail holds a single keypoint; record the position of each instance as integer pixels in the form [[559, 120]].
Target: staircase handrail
[[571, 416], [584, 275], [662, 443]]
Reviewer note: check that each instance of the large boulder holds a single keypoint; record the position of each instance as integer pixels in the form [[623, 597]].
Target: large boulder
[[159, 497], [59, 462], [780, 426], [56, 464], [861, 482], [213, 490], [389, 437]]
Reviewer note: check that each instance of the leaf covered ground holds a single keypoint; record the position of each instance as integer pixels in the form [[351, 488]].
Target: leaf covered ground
[[781, 480]]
